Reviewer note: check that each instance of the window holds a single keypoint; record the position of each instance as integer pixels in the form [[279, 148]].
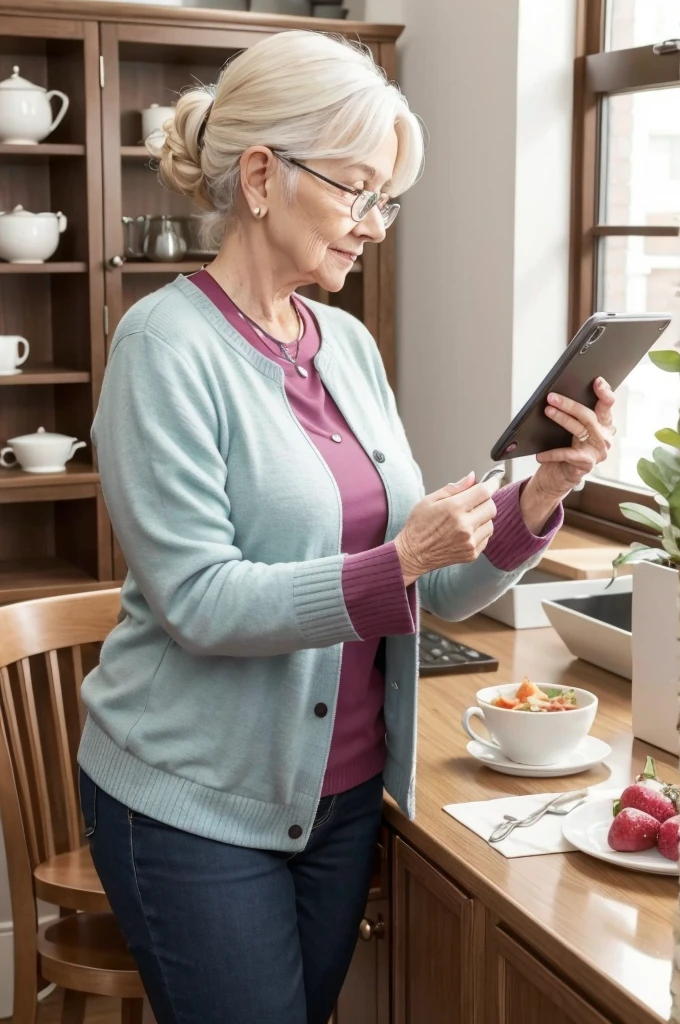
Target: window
[[626, 212]]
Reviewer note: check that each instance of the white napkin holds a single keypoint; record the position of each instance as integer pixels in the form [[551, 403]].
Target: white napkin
[[545, 836]]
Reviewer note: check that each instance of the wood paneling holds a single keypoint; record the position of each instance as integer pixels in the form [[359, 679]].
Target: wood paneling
[[432, 944], [529, 993]]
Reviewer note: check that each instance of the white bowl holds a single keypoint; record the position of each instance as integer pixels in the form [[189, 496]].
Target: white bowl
[[597, 629], [536, 738]]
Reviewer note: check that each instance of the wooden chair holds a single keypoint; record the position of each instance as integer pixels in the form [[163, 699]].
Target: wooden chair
[[45, 648]]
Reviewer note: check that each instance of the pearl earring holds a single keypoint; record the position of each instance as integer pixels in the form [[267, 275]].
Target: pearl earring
[[257, 211]]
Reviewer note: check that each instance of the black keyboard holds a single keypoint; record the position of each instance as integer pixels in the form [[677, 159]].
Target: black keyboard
[[439, 655]]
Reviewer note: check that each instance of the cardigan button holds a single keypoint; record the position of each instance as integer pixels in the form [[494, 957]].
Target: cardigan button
[[321, 710], [378, 456], [294, 831]]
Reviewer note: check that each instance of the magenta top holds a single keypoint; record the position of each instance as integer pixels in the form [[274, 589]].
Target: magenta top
[[377, 600]]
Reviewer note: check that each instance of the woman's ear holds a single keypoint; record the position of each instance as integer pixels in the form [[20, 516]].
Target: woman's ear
[[257, 168]]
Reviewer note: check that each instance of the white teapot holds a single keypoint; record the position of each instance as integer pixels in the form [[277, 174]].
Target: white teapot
[[29, 237], [25, 111], [41, 452]]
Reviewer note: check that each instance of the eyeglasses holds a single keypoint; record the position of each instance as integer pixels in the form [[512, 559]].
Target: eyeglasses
[[365, 200]]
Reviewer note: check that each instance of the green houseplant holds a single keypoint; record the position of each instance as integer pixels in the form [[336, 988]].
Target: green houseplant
[[662, 474]]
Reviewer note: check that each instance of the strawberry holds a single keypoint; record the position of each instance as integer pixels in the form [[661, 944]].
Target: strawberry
[[649, 794], [669, 837], [632, 831], [649, 800]]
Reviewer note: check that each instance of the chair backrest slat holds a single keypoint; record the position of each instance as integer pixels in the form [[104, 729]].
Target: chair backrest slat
[[36, 753], [77, 662], [44, 647], [19, 761], [63, 749]]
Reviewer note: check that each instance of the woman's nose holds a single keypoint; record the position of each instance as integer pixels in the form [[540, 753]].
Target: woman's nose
[[372, 226]]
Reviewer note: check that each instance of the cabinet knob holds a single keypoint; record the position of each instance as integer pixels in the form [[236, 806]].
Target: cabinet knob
[[116, 261], [371, 929]]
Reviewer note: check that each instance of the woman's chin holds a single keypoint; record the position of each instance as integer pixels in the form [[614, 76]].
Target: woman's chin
[[331, 280]]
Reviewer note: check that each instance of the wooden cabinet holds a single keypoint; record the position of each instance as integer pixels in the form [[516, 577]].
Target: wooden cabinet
[[525, 991], [432, 944], [54, 533], [365, 997]]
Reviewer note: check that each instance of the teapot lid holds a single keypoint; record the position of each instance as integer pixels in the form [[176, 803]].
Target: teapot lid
[[42, 435], [15, 81], [18, 211]]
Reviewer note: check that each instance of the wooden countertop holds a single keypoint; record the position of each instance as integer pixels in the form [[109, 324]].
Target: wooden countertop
[[610, 931]]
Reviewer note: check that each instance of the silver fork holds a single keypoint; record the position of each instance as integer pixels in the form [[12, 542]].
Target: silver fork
[[509, 824]]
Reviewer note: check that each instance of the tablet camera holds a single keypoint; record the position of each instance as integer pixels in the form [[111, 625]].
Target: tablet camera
[[595, 336]]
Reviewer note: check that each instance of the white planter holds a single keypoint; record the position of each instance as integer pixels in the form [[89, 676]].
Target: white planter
[[656, 665]]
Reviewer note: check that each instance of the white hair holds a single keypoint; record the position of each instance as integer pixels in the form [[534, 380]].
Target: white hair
[[307, 95]]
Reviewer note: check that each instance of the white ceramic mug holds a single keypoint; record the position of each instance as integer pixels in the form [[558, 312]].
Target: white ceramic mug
[[154, 117], [526, 737], [10, 359]]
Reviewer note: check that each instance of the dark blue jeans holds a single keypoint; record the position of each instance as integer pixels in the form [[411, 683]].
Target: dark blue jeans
[[229, 935]]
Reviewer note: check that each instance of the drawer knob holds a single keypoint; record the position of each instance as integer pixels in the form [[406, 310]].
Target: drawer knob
[[116, 261], [371, 929]]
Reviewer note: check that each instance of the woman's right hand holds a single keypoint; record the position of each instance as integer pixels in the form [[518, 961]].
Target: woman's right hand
[[449, 526]]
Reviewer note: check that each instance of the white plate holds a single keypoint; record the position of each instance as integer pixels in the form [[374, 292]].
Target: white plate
[[587, 828], [589, 752]]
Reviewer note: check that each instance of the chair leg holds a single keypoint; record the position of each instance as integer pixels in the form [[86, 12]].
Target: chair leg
[[73, 1007], [131, 1011], [25, 1009]]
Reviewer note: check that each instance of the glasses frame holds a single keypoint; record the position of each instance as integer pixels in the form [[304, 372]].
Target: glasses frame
[[388, 210]]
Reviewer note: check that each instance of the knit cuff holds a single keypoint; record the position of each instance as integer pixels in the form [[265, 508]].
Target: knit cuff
[[375, 594], [512, 542]]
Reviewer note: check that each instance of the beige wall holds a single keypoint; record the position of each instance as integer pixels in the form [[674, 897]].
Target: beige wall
[[483, 237]]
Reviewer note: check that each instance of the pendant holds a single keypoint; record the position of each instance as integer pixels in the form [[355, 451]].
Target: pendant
[[301, 370]]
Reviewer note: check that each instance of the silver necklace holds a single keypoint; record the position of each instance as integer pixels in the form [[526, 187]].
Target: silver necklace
[[283, 346]]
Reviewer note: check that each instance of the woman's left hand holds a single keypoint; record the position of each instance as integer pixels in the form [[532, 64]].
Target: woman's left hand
[[563, 469]]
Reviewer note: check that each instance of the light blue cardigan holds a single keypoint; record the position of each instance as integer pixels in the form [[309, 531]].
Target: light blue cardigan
[[201, 711]]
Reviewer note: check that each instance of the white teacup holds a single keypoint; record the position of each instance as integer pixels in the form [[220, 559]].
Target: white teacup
[[154, 117], [10, 357], [531, 737]]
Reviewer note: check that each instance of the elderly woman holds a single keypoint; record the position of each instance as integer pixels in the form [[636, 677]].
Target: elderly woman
[[260, 688]]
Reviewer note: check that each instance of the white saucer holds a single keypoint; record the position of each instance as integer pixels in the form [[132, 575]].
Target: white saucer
[[10, 373], [589, 752]]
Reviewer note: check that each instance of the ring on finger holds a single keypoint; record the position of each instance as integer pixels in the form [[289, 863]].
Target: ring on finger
[[582, 438]]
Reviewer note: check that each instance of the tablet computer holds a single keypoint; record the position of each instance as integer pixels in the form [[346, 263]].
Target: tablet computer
[[608, 345]]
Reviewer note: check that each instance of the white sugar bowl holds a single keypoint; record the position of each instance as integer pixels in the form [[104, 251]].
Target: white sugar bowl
[[29, 237], [41, 452], [25, 111]]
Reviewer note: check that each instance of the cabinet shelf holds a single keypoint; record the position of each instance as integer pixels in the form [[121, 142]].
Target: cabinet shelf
[[185, 267], [42, 149], [75, 473], [27, 578], [46, 373], [43, 268], [135, 153]]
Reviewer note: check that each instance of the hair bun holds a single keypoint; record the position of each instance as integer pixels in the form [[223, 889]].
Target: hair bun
[[178, 146]]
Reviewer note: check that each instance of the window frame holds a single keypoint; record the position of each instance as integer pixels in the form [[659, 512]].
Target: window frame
[[597, 74]]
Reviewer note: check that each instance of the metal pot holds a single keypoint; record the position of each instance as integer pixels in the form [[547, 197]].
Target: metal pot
[[164, 241]]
